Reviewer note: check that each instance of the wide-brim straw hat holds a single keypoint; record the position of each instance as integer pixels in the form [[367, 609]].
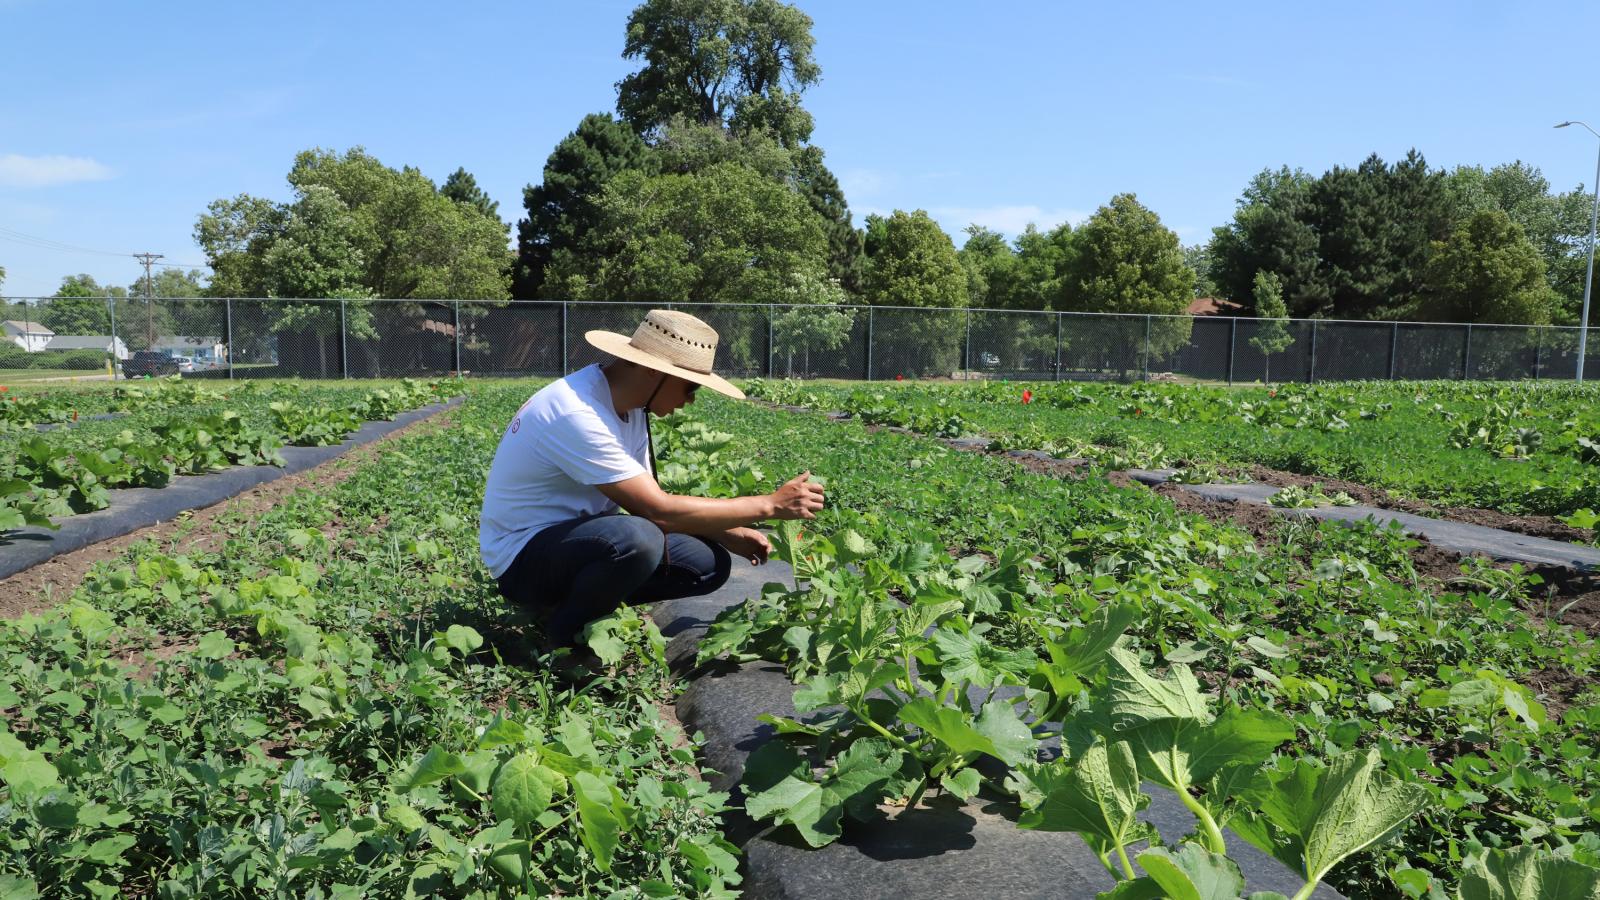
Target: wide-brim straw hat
[[672, 342]]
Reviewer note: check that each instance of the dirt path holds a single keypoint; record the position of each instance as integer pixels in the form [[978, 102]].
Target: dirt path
[[52, 581]]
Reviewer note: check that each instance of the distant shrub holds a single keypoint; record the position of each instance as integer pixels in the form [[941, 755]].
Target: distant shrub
[[14, 357], [77, 360]]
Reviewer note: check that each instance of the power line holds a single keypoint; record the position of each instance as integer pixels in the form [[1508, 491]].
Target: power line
[[39, 243]]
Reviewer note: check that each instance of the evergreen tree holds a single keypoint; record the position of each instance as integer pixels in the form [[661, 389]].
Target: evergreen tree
[[463, 188], [562, 209]]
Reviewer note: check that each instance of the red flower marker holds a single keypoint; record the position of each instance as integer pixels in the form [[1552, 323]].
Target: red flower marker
[[1027, 396], [74, 415], [1138, 411], [899, 378]]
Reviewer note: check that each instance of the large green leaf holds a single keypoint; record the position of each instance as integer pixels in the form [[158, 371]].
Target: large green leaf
[[1183, 752], [968, 657], [1192, 873], [434, 766], [1137, 697], [996, 731], [1311, 818], [816, 808], [600, 820], [1527, 872], [1098, 797], [523, 789]]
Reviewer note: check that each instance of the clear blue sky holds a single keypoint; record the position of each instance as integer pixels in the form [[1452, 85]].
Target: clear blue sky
[[120, 121]]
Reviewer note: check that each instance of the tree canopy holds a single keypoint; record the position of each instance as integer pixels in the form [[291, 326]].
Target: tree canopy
[[1124, 260], [914, 263], [563, 208], [1487, 271], [1358, 243], [356, 228], [736, 63], [727, 234]]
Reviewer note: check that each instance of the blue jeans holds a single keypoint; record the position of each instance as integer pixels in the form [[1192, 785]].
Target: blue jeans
[[583, 569]]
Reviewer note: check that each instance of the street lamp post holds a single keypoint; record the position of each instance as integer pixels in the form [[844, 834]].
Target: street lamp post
[[1588, 277]]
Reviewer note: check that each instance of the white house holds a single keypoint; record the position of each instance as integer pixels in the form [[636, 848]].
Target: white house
[[199, 349], [105, 343], [30, 336]]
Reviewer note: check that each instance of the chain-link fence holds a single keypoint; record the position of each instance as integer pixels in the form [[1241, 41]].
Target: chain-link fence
[[255, 338]]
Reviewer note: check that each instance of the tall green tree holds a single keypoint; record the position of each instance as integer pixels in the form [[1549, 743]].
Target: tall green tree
[[1271, 230], [1043, 261], [736, 63], [1352, 243], [914, 263], [1488, 272], [563, 208], [1126, 261], [355, 229], [1556, 224], [389, 233], [461, 187], [724, 235], [79, 306], [1272, 332], [989, 264], [846, 258]]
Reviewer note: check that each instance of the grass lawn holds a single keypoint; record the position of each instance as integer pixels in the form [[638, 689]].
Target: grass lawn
[[8, 376]]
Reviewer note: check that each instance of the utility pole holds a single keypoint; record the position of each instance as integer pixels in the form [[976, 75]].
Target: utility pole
[[149, 260]]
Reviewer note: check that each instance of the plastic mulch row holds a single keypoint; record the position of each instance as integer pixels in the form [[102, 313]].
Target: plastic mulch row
[[943, 849], [135, 508]]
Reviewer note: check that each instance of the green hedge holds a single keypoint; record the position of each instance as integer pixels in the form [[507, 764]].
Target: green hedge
[[14, 357], [82, 360]]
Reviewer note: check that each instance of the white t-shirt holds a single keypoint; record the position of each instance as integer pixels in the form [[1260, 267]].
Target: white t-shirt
[[565, 440]]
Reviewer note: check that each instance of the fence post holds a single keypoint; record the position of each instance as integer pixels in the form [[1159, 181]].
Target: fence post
[[1394, 347], [770, 316], [1233, 343], [1311, 377], [1144, 362], [456, 310], [869, 343], [1059, 317], [966, 356], [1538, 356], [1466, 355], [344, 352], [563, 338], [111, 306], [227, 309]]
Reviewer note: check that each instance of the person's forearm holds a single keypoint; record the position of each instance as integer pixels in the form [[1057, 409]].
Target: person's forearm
[[708, 516]]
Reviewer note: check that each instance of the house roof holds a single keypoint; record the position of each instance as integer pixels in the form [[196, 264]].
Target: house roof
[[26, 328], [80, 342], [1213, 306]]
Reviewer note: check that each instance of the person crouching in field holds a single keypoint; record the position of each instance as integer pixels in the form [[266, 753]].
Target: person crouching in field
[[579, 451]]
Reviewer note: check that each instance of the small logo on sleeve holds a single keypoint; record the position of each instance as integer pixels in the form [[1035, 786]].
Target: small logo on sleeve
[[516, 424]]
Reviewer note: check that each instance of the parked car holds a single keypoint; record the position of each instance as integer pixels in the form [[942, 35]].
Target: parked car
[[149, 362], [185, 364]]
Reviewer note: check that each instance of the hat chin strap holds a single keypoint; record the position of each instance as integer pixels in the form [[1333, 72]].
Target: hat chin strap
[[649, 438]]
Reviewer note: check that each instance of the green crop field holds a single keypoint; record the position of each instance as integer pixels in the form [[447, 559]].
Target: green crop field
[[1522, 448], [330, 699]]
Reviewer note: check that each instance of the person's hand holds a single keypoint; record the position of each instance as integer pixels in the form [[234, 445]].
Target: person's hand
[[747, 543], [797, 499]]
